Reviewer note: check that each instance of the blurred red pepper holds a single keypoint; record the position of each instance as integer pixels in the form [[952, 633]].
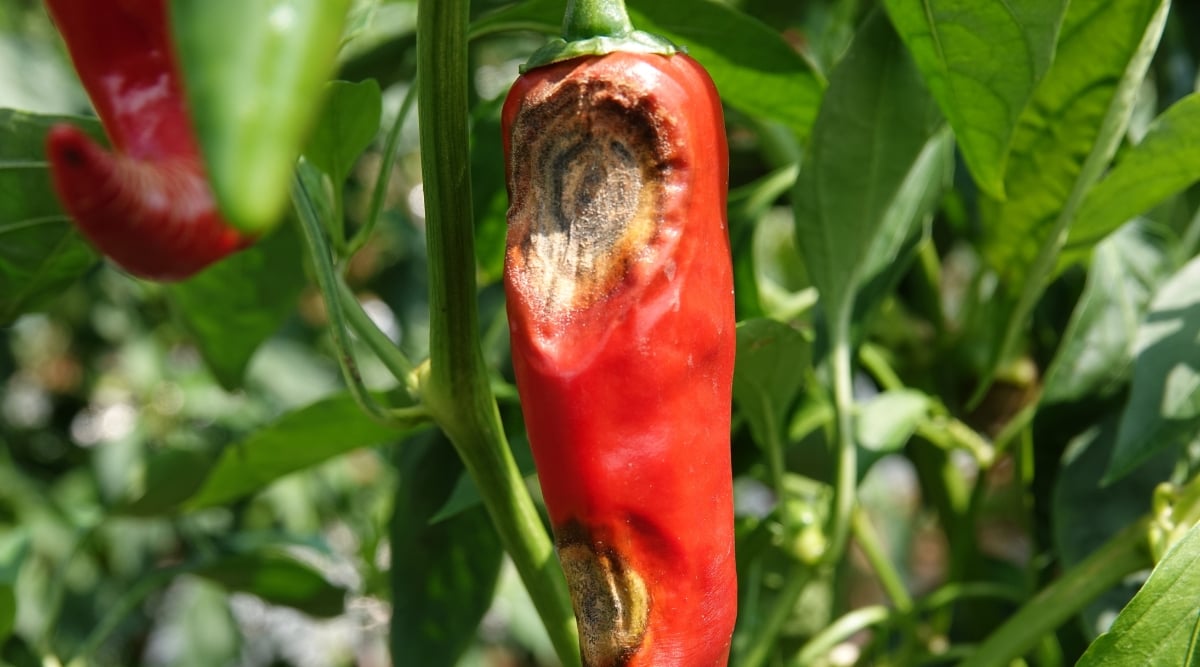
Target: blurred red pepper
[[620, 304], [148, 206]]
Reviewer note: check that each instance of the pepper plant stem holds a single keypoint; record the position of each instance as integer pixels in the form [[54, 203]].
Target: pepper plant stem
[[764, 641], [1124, 554], [846, 472], [889, 578], [455, 384], [318, 251], [838, 631], [396, 362], [379, 192]]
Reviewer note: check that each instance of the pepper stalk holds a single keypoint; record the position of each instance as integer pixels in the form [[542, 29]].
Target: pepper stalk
[[595, 28]]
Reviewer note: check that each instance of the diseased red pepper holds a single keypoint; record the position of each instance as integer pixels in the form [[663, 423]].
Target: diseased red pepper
[[620, 305], [148, 205]]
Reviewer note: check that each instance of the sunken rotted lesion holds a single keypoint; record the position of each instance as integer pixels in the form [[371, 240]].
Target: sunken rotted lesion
[[610, 598], [588, 174]]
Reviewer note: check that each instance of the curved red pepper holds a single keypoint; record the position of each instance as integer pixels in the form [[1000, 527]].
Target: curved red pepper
[[148, 206], [620, 304]]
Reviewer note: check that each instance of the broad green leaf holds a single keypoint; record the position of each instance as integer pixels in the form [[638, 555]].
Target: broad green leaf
[[1063, 142], [443, 574], [172, 476], [776, 270], [233, 306], [885, 422], [204, 628], [279, 578], [8, 610], [981, 61], [750, 208], [488, 192], [1161, 626], [14, 546], [346, 127], [907, 222], [874, 124], [465, 494], [1095, 356], [1085, 514], [1166, 161], [773, 359], [254, 74], [40, 251], [755, 70], [296, 441], [369, 31], [1164, 401]]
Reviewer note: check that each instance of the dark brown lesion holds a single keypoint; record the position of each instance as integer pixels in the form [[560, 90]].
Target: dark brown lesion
[[588, 179], [611, 600]]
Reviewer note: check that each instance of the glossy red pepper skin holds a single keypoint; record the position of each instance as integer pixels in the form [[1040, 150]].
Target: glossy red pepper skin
[[148, 205], [620, 305]]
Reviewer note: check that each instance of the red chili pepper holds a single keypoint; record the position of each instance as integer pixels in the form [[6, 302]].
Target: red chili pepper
[[148, 206], [620, 304]]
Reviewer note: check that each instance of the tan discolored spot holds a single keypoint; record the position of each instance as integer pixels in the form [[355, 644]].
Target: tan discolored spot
[[587, 182], [611, 601]]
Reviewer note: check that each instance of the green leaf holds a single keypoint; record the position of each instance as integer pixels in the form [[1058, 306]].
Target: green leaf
[[279, 578], [755, 70], [443, 574], [8, 611], [886, 422], [1063, 142], [172, 476], [376, 30], [773, 359], [40, 251], [1085, 514], [14, 546], [488, 192], [254, 74], [346, 127], [770, 264], [1165, 162], [874, 125], [981, 61], [465, 494], [296, 441], [751, 208], [205, 632], [1162, 623], [1095, 357], [907, 222], [233, 306], [1164, 401]]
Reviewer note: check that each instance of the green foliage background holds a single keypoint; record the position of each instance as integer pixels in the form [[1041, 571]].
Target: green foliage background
[[965, 239]]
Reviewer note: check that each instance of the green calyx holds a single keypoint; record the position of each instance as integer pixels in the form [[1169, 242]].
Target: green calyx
[[595, 28]]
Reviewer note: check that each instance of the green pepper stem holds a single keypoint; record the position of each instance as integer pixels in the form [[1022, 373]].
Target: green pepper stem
[[596, 18], [596, 28]]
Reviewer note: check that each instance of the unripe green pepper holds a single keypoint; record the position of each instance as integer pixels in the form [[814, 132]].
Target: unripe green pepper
[[255, 74]]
